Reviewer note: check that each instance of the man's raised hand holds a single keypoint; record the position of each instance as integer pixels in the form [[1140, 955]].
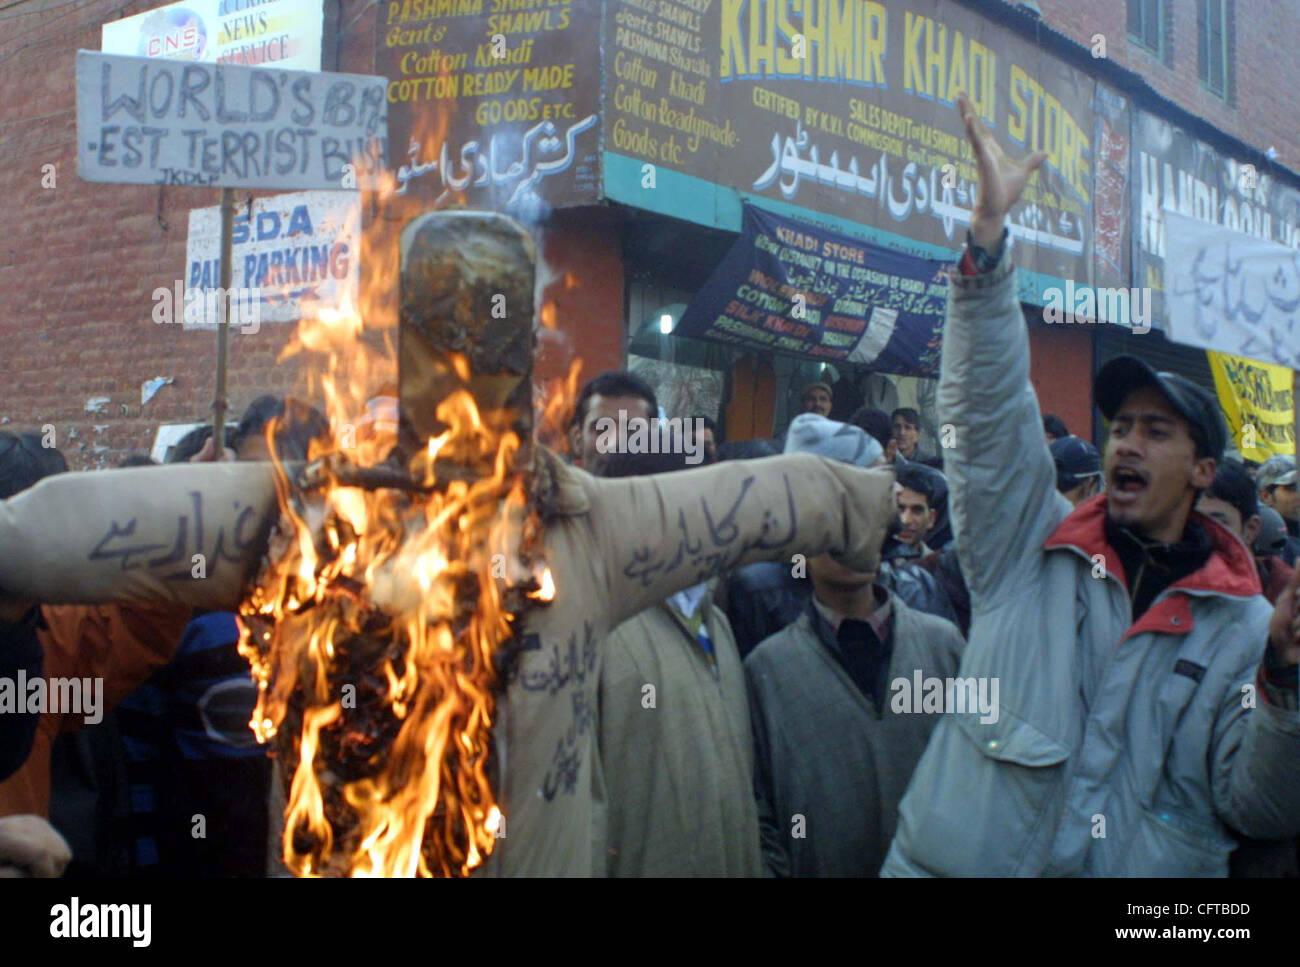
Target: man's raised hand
[[1001, 179]]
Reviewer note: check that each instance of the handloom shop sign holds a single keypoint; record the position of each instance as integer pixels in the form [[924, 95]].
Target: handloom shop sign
[[790, 287], [148, 121], [1178, 174], [494, 103], [845, 109], [291, 250]]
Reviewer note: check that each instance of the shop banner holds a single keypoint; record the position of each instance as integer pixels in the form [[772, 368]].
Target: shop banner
[[280, 33], [847, 110], [493, 104], [1178, 174], [1256, 399], [290, 250], [790, 287], [1231, 292]]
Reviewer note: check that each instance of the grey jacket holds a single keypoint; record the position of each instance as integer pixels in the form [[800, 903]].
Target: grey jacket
[[1118, 751], [830, 767]]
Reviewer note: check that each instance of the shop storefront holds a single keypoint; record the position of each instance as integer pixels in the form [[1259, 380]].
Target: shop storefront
[[785, 304], [638, 143]]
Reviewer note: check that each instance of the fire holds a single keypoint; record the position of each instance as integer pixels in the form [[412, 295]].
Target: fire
[[554, 404], [547, 591], [388, 591]]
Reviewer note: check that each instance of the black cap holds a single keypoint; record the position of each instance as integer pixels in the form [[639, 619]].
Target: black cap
[[1076, 460], [1124, 374]]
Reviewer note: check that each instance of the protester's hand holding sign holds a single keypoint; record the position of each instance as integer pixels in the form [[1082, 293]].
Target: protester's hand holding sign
[[1001, 179], [207, 454]]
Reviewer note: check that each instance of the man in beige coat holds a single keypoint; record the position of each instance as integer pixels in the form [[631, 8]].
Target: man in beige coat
[[615, 548], [674, 758]]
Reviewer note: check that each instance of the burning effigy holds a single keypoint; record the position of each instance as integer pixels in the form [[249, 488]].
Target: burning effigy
[[423, 600], [396, 571]]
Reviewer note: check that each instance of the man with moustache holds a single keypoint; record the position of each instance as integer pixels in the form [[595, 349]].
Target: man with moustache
[[1148, 690]]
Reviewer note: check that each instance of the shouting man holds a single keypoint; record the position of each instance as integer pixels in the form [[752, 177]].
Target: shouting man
[[1148, 691]]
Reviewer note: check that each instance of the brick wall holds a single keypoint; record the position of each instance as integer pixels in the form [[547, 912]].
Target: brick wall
[[79, 262], [1264, 63], [1060, 369]]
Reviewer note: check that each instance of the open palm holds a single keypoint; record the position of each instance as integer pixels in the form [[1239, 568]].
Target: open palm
[[1002, 180]]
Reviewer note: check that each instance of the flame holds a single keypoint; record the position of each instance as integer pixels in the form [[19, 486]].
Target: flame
[[547, 591], [373, 627], [554, 402]]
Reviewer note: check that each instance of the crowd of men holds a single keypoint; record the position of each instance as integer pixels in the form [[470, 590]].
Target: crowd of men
[[1015, 656], [810, 651], [770, 745]]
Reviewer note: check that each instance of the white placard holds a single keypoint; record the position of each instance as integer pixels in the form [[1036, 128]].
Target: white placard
[[152, 121], [295, 249], [269, 33], [1231, 292]]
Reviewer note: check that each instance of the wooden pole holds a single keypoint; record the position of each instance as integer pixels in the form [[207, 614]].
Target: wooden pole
[[219, 403]]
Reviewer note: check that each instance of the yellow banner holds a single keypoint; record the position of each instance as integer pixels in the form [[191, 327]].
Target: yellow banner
[[1257, 402]]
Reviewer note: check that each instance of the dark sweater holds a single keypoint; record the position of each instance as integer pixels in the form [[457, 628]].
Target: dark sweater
[[1150, 567]]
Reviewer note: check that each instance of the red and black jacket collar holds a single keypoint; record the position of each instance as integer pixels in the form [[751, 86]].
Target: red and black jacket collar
[[1229, 571]]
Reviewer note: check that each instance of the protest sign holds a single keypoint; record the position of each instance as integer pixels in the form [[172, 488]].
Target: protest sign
[[151, 121], [1257, 401], [1231, 292]]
